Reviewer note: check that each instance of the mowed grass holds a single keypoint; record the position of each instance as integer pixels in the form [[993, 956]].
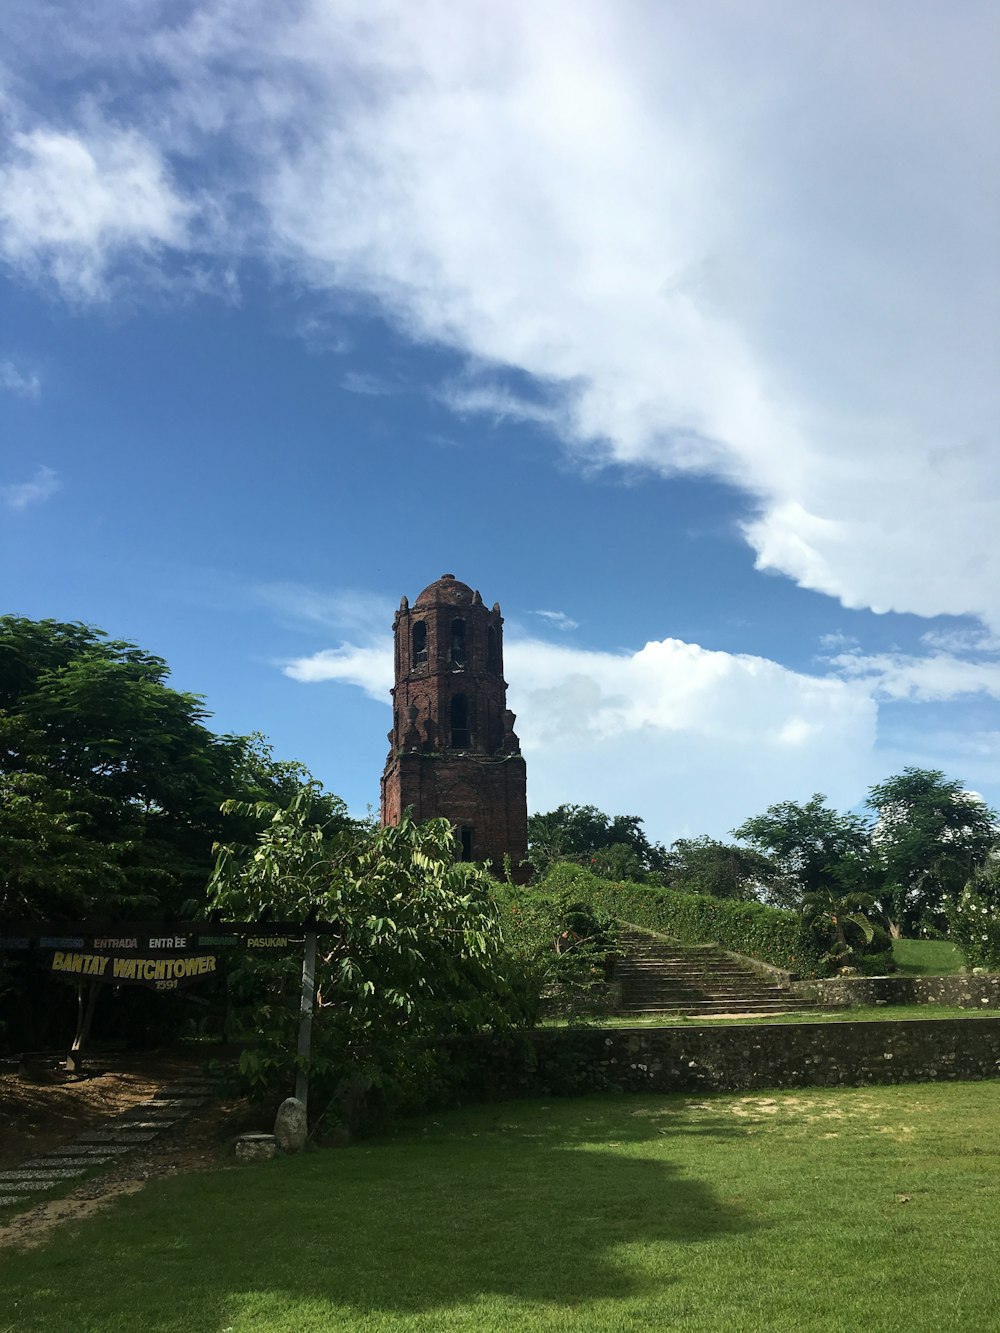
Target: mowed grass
[[818, 1209], [927, 958], [861, 1013]]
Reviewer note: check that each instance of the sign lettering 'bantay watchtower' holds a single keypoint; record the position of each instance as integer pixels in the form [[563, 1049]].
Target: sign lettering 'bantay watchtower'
[[453, 751]]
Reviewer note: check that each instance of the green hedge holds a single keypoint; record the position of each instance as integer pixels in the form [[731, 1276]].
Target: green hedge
[[765, 933]]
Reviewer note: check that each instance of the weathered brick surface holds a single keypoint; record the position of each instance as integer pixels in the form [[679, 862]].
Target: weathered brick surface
[[453, 751]]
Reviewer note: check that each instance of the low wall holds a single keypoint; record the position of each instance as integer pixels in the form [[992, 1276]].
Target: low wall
[[966, 992], [570, 1061]]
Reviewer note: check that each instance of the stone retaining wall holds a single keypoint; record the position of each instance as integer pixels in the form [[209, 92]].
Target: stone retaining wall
[[964, 992], [724, 1059]]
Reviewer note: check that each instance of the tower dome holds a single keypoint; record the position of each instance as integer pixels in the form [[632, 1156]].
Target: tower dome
[[447, 590]]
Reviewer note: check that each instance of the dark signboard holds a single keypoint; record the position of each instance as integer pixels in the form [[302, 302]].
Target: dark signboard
[[160, 972]]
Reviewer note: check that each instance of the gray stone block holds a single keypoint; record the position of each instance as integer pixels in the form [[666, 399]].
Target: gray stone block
[[255, 1147], [290, 1129]]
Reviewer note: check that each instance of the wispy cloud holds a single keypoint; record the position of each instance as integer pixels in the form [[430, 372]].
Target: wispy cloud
[[837, 640], [558, 620], [71, 203], [345, 611], [42, 486], [623, 204], [372, 386], [27, 383], [496, 401], [936, 678]]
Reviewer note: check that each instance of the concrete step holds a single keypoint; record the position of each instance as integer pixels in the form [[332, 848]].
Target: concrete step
[[658, 977]]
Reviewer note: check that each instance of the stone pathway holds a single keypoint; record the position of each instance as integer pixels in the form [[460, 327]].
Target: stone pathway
[[138, 1126]]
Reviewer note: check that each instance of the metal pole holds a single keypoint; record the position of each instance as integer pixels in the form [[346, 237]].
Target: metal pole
[[306, 1017]]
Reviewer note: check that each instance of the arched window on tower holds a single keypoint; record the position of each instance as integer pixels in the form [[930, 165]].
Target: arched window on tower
[[458, 642], [419, 651], [492, 651], [459, 718]]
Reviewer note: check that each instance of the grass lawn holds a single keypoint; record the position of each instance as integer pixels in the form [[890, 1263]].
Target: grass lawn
[[927, 958], [818, 1209], [861, 1013]]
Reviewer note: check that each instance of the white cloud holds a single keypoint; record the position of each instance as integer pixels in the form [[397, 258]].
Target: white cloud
[[26, 383], [961, 641], [372, 386], [71, 203], [558, 620], [348, 611], [495, 401], [669, 732], [42, 486], [933, 679], [369, 667], [752, 241]]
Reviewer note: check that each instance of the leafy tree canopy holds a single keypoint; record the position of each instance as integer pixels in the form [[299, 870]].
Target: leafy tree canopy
[[722, 869], [614, 847], [930, 836], [110, 781], [417, 947], [817, 850]]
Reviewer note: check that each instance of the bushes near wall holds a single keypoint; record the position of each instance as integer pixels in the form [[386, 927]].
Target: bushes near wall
[[765, 933]]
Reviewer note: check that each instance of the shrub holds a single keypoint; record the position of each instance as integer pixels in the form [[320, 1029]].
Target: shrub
[[558, 944], [766, 933], [975, 926]]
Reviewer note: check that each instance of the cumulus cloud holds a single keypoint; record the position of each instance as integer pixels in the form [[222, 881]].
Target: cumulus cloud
[[750, 241], [669, 732], [42, 486]]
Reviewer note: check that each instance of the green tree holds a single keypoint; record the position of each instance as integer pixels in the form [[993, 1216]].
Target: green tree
[[722, 869], [816, 849], [110, 793], [92, 736], [930, 837], [416, 951], [614, 847], [839, 913]]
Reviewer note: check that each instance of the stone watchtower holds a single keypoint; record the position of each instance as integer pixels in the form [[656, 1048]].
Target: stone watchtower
[[453, 752]]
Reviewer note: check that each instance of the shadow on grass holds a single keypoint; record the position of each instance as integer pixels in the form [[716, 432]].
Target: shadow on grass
[[522, 1201]]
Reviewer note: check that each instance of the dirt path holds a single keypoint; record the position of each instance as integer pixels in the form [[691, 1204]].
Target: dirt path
[[35, 1118]]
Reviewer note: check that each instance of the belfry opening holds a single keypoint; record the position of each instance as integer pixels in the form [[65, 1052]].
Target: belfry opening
[[453, 752]]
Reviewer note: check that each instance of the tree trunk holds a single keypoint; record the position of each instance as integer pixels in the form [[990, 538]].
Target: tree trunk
[[86, 998]]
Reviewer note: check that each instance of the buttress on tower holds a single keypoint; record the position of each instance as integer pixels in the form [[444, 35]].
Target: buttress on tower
[[453, 751]]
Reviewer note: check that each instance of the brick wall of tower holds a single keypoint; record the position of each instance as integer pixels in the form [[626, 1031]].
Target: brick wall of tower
[[478, 792], [453, 751]]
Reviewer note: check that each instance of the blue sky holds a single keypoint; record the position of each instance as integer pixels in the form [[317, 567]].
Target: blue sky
[[673, 328]]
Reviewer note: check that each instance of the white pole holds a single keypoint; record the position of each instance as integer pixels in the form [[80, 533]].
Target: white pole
[[305, 1017]]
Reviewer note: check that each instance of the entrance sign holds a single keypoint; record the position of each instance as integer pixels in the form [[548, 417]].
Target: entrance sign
[[160, 973], [165, 957]]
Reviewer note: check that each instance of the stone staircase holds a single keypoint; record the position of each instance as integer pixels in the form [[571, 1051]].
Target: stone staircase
[[658, 976], [106, 1144]]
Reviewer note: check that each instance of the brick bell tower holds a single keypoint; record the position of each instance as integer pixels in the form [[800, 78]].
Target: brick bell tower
[[452, 748]]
